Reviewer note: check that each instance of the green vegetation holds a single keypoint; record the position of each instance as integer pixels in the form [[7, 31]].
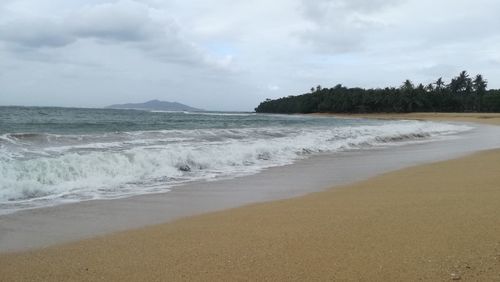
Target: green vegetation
[[462, 94]]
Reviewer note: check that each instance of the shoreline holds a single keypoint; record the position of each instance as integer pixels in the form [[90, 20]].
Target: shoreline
[[44, 227], [254, 214], [480, 118]]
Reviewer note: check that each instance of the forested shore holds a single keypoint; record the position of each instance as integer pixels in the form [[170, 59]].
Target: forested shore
[[462, 94]]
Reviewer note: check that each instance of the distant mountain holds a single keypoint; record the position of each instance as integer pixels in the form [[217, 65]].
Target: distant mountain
[[156, 105]]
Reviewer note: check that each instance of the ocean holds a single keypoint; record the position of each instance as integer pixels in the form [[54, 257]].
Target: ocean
[[53, 156]]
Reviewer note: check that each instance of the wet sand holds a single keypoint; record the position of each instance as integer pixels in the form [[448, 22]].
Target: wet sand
[[485, 118], [431, 222]]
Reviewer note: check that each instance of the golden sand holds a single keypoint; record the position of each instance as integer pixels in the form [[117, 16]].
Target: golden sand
[[434, 222], [486, 118]]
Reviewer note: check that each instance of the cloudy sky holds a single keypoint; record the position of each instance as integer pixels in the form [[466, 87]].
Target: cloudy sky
[[231, 54]]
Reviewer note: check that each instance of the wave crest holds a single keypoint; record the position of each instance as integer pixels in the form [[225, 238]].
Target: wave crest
[[143, 162]]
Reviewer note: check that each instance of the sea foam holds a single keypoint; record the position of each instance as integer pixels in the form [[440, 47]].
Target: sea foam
[[47, 169]]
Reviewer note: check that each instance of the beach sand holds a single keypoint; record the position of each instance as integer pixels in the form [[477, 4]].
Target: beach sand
[[486, 118], [433, 222]]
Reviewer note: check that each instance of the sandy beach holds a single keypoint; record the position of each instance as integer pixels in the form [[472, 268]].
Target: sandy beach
[[485, 118], [432, 222]]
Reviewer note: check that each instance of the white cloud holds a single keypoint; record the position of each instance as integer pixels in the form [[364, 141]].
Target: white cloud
[[273, 87]]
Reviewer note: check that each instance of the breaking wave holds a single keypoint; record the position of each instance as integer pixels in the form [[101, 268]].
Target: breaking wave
[[47, 169]]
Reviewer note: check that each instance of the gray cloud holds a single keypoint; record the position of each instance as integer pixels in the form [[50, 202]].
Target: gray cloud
[[122, 22], [320, 10], [230, 55], [35, 33], [339, 26]]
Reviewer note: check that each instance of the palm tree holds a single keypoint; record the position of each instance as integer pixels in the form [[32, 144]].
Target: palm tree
[[429, 88], [407, 86], [468, 86], [479, 86], [457, 84], [440, 84], [407, 90], [462, 85]]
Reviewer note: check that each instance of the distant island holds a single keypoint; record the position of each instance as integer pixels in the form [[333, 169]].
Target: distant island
[[156, 105], [462, 94]]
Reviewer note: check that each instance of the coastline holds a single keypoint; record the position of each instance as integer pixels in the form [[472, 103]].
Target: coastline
[[342, 233], [482, 118]]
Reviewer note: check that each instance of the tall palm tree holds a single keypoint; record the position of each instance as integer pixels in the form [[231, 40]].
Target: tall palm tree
[[407, 86], [479, 86], [439, 84], [407, 90], [429, 88], [460, 83]]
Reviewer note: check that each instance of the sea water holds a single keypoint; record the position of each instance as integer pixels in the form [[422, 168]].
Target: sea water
[[51, 156]]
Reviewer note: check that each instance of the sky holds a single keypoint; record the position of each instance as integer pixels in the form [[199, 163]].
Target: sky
[[232, 54]]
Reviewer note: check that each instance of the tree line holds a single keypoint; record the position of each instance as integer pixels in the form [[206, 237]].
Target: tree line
[[461, 94]]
